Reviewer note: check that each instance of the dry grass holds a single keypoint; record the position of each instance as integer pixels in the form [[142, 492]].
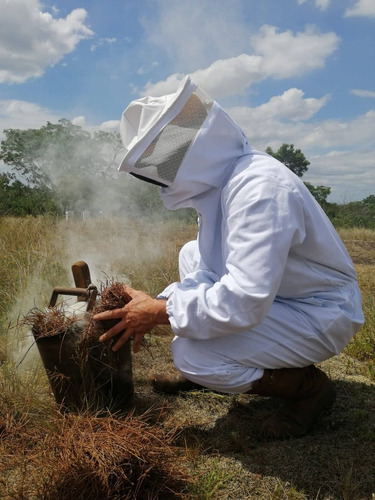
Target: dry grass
[[360, 244], [213, 446], [48, 322], [112, 295], [85, 457]]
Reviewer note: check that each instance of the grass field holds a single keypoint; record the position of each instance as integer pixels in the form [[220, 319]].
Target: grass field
[[200, 446]]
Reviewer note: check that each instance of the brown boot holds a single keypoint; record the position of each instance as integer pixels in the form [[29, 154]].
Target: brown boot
[[172, 383], [307, 393]]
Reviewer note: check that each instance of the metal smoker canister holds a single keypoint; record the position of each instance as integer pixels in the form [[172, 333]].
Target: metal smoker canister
[[101, 379]]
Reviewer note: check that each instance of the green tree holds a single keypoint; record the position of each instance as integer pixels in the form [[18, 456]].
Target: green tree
[[369, 201], [62, 159], [18, 199], [320, 193], [78, 170], [294, 159]]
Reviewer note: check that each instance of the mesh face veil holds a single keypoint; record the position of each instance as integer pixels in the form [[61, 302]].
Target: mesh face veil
[[162, 157]]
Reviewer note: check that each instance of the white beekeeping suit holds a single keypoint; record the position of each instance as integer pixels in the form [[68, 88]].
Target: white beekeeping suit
[[268, 284]]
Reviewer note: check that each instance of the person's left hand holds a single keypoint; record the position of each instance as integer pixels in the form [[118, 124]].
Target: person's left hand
[[137, 317]]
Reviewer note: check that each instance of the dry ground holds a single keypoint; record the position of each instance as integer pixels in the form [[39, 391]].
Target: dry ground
[[230, 461]]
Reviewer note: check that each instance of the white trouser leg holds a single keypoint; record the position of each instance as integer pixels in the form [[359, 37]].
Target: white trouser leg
[[286, 338], [232, 363]]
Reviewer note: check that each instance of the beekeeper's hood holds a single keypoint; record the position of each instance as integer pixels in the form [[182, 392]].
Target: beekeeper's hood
[[184, 142]]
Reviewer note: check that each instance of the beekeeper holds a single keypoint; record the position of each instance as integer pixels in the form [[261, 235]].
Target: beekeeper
[[267, 290]]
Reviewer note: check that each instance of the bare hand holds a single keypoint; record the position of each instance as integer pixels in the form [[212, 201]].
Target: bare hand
[[137, 317]]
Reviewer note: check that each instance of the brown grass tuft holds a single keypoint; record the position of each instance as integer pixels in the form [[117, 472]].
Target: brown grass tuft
[[112, 295], [102, 458], [47, 323]]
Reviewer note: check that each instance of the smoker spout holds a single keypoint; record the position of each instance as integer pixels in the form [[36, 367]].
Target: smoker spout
[[84, 290], [84, 294]]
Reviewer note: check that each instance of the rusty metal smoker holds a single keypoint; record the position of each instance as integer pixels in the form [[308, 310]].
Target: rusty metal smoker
[[101, 379]]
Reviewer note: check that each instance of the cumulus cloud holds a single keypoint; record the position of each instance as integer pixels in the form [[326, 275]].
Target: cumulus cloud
[[79, 120], [31, 40], [17, 114], [360, 8], [287, 55], [271, 124], [23, 115], [275, 54], [363, 93], [110, 126], [357, 132], [349, 174], [291, 105], [218, 79]]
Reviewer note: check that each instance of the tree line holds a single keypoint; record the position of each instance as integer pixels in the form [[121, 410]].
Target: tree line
[[61, 167]]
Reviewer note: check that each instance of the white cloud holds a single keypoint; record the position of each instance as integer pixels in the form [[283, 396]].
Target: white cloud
[[101, 42], [107, 126], [349, 174], [276, 54], [271, 124], [363, 93], [228, 76], [31, 40], [79, 120], [289, 106], [16, 114], [320, 4], [23, 115], [110, 126], [357, 132], [287, 55], [364, 8], [341, 152]]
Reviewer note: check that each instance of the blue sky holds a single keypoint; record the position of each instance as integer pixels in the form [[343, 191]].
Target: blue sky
[[295, 71]]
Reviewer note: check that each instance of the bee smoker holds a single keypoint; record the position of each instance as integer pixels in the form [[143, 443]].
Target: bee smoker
[[83, 373]]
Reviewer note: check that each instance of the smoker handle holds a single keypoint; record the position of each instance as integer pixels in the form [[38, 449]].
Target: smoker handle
[[88, 294]]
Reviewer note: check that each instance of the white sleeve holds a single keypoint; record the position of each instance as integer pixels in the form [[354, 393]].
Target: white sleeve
[[263, 220]]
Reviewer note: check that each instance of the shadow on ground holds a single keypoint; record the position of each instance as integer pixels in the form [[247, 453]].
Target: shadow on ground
[[335, 461]]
